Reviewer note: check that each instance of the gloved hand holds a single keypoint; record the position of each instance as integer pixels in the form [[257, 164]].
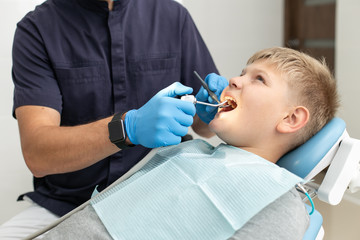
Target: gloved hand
[[163, 120], [216, 84]]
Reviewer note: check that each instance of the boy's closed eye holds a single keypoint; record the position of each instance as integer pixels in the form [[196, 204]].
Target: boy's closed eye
[[260, 78], [256, 74]]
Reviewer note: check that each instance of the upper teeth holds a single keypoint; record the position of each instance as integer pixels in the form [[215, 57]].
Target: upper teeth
[[231, 101]]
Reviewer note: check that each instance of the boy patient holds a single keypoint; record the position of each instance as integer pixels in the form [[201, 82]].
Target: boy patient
[[280, 100]]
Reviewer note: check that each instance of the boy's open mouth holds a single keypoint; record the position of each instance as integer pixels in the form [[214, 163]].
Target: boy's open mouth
[[231, 102]]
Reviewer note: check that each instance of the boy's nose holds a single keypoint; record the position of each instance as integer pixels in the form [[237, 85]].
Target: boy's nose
[[235, 82]]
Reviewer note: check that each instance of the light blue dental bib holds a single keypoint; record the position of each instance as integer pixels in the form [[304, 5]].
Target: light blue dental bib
[[192, 191]]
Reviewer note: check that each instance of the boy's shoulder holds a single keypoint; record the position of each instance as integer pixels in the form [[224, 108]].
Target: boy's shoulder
[[285, 218]]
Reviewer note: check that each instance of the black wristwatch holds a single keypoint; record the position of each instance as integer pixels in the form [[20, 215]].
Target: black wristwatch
[[117, 132]]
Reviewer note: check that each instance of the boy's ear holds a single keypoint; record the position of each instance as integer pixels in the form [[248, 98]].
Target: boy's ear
[[295, 120]]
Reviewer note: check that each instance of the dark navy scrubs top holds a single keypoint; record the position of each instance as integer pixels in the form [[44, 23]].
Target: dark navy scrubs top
[[88, 63]]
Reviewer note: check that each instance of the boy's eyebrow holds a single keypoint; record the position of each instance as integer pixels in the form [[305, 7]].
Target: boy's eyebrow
[[263, 72], [254, 69]]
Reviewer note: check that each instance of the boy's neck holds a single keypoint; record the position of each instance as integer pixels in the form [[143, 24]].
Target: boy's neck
[[271, 151]]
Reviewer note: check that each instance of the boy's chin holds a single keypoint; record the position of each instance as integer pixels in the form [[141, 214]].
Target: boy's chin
[[215, 126], [212, 123], [221, 130]]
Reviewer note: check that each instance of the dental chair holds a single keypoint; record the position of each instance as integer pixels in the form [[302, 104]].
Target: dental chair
[[331, 148]]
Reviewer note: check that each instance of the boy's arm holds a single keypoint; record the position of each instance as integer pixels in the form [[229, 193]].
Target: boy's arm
[[285, 218]]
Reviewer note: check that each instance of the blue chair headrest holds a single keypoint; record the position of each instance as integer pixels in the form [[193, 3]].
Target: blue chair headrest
[[303, 159]]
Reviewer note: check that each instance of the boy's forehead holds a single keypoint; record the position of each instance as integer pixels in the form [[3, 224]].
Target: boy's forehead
[[264, 66]]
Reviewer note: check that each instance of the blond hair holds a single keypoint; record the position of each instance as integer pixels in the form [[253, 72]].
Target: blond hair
[[311, 81]]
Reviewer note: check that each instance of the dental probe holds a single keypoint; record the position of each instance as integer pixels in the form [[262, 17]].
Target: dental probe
[[204, 84], [191, 98]]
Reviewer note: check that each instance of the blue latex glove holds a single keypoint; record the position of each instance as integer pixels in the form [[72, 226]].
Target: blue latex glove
[[163, 120], [216, 84]]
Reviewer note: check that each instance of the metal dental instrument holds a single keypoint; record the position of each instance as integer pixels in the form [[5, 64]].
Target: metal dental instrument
[[204, 84], [191, 98]]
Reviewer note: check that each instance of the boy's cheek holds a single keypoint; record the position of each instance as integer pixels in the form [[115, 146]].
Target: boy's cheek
[[223, 93]]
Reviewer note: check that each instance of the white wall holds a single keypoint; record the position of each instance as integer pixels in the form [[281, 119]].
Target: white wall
[[14, 176], [233, 30], [347, 62]]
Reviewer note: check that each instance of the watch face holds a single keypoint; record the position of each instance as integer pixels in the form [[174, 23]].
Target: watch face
[[116, 131]]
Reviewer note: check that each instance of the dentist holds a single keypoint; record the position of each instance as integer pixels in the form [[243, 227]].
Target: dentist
[[94, 91]]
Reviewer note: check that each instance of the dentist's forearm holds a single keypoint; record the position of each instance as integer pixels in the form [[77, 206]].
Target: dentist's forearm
[[66, 149], [51, 149]]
